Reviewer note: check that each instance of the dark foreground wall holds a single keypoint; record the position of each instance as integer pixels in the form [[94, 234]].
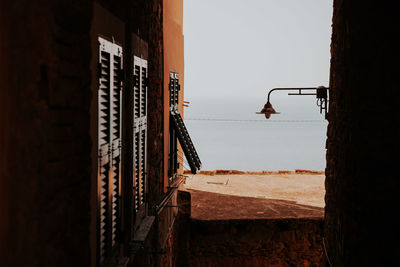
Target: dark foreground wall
[[44, 125], [362, 185], [47, 202], [277, 242]]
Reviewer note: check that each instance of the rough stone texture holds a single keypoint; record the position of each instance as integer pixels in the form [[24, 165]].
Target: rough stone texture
[[155, 119], [45, 143], [147, 24], [182, 230], [281, 242], [363, 135]]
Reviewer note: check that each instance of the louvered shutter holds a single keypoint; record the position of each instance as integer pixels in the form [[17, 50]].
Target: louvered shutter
[[109, 144], [178, 131], [173, 142], [140, 131]]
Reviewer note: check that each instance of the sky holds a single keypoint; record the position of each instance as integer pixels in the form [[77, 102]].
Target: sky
[[235, 51]]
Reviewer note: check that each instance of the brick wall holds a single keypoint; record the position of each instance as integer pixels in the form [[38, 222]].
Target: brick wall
[[363, 135]]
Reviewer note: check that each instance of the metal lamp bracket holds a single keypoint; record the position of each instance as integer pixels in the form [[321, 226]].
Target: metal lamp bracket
[[320, 92]]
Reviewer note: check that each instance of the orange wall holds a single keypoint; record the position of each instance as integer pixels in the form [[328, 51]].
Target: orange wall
[[173, 61]]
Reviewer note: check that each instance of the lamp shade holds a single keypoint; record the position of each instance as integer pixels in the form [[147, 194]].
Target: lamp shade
[[267, 110]]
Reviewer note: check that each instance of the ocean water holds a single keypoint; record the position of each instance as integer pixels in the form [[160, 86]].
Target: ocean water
[[239, 139]]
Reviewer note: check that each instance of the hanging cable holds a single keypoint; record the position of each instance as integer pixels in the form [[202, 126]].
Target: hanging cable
[[184, 163], [235, 120]]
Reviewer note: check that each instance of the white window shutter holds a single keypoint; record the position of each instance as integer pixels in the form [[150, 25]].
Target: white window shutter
[[109, 145], [140, 130]]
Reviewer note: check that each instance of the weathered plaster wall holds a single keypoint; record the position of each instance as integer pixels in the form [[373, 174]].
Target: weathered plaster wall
[[363, 135], [173, 61]]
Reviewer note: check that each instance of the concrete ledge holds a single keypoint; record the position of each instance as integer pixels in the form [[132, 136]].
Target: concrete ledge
[[237, 172], [144, 228], [280, 192]]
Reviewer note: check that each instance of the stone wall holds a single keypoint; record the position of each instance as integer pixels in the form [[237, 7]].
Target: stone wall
[[245, 242], [155, 107], [269, 242], [363, 135]]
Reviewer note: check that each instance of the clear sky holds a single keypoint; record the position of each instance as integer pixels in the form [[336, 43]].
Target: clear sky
[[236, 49]]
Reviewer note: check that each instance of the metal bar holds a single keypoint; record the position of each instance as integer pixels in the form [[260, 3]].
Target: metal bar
[[300, 94], [158, 208], [289, 89]]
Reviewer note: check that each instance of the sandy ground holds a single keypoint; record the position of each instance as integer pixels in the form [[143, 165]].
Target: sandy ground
[[301, 188], [256, 196]]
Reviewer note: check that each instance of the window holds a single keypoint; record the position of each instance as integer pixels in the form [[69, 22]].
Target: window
[[109, 148], [179, 132], [140, 134]]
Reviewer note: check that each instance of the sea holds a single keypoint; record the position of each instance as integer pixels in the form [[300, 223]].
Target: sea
[[228, 134]]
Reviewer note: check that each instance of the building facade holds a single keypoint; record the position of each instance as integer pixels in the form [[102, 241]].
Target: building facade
[[101, 90]]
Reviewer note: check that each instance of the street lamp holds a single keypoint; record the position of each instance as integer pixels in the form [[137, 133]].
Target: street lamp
[[321, 93]]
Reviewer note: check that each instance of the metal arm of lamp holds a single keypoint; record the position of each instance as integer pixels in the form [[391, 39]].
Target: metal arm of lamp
[[321, 93]]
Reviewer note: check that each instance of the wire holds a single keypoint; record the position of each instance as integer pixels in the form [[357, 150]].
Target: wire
[[185, 164], [234, 120], [184, 161], [326, 252]]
